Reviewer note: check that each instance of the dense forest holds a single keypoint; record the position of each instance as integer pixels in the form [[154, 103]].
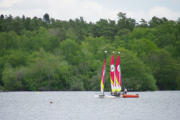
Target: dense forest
[[51, 54]]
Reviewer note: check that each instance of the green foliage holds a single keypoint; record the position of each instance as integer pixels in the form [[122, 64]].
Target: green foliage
[[165, 70], [71, 50], [125, 23], [77, 83], [105, 28], [8, 40], [135, 74], [13, 79], [178, 82], [45, 72], [48, 54]]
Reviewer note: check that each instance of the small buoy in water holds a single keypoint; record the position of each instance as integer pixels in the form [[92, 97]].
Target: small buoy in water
[[51, 102]]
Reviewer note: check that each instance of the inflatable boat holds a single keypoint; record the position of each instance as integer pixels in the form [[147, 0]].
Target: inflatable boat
[[130, 96]]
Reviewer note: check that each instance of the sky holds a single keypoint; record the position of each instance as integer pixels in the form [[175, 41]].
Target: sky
[[92, 10]]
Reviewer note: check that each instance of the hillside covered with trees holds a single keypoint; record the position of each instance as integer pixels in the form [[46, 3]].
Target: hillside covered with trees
[[50, 54]]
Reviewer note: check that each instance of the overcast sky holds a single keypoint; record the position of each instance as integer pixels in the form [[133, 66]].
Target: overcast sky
[[92, 10]]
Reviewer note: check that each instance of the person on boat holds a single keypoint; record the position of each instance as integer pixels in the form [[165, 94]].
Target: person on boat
[[125, 91]]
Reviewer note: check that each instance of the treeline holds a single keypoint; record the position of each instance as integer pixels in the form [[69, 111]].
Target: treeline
[[50, 54]]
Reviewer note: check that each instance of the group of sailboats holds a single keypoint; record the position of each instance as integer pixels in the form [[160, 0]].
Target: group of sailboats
[[115, 78]]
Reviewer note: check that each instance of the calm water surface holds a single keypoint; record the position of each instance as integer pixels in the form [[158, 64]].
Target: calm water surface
[[164, 105]]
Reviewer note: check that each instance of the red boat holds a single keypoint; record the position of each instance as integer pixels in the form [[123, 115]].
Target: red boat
[[130, 96]]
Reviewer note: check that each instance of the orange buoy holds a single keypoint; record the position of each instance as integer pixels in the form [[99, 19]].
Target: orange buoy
[[130, 96]]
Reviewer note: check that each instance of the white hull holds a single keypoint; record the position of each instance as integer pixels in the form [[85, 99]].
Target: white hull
[[106, 96]]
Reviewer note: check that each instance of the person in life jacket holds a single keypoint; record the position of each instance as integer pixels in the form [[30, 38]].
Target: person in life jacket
[[125, 91]]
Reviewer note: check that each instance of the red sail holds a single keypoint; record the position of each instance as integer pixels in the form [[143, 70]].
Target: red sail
[[118, 75], [112, 74]]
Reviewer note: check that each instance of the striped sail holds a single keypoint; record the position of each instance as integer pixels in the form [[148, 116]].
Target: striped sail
[[112, 74], [102, 76], [118, 75]]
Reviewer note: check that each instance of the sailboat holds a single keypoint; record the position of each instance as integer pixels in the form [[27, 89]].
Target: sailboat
[[115, 79], [115, 76], [103, 75], [102, 95], [118, 76], [112, 76]]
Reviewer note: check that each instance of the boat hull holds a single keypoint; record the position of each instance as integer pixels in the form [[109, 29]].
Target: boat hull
[[121, 96], [130, 96], [105, 96]]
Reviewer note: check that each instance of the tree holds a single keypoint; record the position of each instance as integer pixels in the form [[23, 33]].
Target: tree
[[155, 21], [50, 54], [13, 79], [71, 50], [106, 28], [164, 70], [135, 74], [125, 23], [2, 16], [143, 23], [46, 18]]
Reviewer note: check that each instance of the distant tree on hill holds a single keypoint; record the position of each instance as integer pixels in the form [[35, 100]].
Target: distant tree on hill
[[46, 18]]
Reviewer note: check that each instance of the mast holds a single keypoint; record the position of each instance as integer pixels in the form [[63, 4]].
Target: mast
[[103, 74]]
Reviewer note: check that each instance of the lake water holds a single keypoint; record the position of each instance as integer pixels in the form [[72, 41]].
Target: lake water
[[159, 105]]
